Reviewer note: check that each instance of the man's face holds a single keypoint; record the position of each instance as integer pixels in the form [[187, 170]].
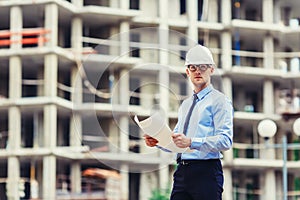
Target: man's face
[[200, 75]]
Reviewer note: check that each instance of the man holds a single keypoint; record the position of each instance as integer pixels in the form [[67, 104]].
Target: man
[[205, 125]]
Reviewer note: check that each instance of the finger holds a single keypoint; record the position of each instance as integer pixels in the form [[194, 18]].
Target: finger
[[146, 136], [174, 136]]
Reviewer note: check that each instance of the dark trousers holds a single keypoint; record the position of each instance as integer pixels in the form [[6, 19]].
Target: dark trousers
[[198, 180]]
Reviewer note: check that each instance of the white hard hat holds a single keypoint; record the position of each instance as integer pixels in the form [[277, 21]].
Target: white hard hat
[[199, 55]]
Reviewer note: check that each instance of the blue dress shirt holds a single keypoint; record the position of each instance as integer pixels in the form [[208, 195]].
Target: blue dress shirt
[[211, 124]]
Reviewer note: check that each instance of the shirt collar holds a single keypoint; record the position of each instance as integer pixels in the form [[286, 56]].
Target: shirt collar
[[204, 92]]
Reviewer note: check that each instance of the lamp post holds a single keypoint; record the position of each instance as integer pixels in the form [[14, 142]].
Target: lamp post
[[267, 129]]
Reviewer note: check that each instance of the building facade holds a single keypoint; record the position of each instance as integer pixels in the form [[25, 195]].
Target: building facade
[[75, 73]]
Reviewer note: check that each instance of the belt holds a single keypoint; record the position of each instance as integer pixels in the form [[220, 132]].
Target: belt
[[189, 162]]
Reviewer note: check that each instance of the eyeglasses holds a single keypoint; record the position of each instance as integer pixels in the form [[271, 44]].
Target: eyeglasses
[[201, 67]]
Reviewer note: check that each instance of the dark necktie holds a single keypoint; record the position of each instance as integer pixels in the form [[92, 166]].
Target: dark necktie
[[187, 119]]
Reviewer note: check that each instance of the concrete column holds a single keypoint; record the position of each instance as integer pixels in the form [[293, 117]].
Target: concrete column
[[267, 11], [76, 177], [76, 130], [124, 31], [76, 83], [268, 97], [16, 26], [226, 12], [124, 4], [226, 41], [14, 112], [124, 38], [227, 194], [227, 87], [50, 128], [124, 100], [50, 75], [269, 182], [114, 3], [13, 178], [163, 56], [49, 177], [163, 36], [276, 12], [163, 79], [268, 47], [228, 155], [50, 111], [212, 10], [269, 185], [78, 3], [124, 171], [123, 132], [192, 30], [76, 37], [226, 48], [51, 23], [14, 126]]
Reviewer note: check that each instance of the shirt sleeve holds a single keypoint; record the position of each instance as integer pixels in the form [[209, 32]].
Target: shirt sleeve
[[221, 139]]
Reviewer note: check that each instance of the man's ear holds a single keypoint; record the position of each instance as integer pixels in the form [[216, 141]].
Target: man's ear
[[212, 70], [187, 72]]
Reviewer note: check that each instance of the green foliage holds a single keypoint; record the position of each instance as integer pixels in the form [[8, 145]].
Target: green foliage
[[160, 194]]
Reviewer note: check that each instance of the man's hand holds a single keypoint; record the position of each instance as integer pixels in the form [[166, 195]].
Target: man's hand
[[150, 141], [181, 140]]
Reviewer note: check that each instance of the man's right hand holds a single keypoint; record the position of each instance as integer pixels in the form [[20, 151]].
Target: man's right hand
[[150, 141]]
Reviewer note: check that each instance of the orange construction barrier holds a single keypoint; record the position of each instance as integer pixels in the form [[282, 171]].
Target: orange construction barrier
[[29, 36]]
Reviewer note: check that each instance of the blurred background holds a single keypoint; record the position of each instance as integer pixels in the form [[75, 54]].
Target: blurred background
[[74, 73]]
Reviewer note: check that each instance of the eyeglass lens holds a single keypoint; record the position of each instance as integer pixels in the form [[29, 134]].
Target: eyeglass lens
[[202, 68]]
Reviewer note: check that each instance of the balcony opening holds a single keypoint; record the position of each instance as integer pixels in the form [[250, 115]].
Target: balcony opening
[[135, 51], [134, 4], [182, 43], [64, 35], [98, 134], [3, 129], [30, 84], [3, 179], [4, 80], [134, 138], [200, 9], [182, 7], [27, 130], [134, 185], [135, 89], [64, 83], [63, 130], [96, 3]]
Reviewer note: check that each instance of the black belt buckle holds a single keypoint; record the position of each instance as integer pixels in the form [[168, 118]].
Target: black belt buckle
[[184, 162]]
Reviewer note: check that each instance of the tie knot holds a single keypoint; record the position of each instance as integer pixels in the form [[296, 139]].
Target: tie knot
[[195, 97]]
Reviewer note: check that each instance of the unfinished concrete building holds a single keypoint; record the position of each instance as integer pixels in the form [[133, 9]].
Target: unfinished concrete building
[[75, 72]]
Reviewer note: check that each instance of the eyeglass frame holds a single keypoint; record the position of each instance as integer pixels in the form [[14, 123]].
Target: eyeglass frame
[[200, 67]]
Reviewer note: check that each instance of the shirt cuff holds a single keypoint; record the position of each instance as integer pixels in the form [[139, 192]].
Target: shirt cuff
[[196, 142]]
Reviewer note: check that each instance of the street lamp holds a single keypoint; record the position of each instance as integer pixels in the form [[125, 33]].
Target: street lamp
[[267, 129], [296, 127]]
